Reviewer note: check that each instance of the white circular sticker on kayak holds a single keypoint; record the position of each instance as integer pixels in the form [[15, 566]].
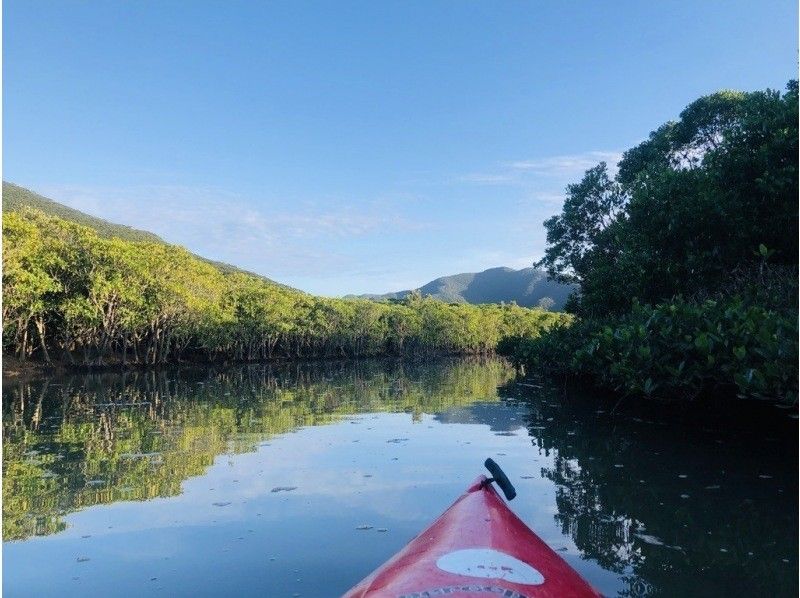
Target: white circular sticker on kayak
[[489, 564]]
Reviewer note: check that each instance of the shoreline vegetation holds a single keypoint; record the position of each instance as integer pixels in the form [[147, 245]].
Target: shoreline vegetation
[[74, 298], [686, 258]]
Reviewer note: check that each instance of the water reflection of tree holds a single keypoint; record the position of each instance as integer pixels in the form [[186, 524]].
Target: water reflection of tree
[[672, 505], [79, 441]]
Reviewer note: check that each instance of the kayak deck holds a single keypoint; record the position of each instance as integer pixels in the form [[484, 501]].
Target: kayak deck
[[478, 547]]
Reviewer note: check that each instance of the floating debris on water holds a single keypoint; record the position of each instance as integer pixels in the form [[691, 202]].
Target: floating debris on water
[[139, 455], [648, 539], [654, 541]]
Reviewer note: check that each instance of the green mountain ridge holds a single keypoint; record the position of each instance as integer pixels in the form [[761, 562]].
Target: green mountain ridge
[[16, 199], [527, 287]]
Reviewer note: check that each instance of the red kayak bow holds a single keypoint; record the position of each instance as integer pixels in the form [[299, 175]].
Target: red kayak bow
[[480, 548]]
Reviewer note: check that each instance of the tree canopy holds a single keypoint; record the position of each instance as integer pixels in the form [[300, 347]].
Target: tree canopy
[[693, 202], [73, 295]]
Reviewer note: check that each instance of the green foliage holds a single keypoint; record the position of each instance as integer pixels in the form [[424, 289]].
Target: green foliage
[[705, 208], [98, 300], [696, 200], [678, 349], [18, 199]]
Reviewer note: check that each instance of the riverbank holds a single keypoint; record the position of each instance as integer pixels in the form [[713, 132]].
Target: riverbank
[[15, 369], [678, 350]]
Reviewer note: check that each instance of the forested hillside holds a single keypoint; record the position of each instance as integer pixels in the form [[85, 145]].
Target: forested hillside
[[16, 199], [72, 295], [686, 258], [528, 287]]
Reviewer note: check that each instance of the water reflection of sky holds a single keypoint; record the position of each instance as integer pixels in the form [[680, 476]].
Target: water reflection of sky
[[383, 470], [640, 502]]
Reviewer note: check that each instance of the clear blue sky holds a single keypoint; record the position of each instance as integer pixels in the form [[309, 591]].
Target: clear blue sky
[[352, 147]]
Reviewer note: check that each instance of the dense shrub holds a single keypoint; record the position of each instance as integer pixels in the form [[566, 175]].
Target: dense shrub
[[704, 209], [71, 294], [709, 194], [679, 349]]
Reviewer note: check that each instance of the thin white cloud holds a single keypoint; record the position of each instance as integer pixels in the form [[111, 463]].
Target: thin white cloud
[[269, 239], [487, 179], [545, 198], [544, 172], [566, 165]]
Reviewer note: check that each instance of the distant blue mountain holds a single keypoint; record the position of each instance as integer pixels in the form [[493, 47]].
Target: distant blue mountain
[[528, 287]]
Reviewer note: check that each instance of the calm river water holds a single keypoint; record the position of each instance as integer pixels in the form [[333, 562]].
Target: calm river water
[[256, 480]]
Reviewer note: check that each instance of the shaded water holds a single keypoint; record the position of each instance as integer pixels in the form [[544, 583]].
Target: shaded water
[[299, 480]]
